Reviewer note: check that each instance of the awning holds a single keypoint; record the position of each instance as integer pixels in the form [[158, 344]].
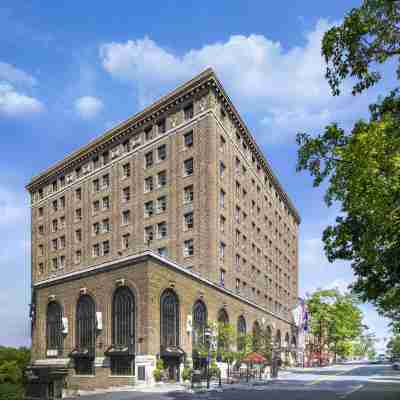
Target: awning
[[82, 353], [172, 352], [118, 351]]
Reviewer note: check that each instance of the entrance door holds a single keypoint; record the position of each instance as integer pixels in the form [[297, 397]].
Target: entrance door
[[172, 366]]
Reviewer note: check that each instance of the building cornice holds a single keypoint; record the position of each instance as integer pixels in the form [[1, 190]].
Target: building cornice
[[150, 114], [145, 256]]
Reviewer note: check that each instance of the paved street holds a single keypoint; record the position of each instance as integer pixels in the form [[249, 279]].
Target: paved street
[[352, 382]]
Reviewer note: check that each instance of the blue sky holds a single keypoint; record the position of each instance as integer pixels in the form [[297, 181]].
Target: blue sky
[[70, 70]]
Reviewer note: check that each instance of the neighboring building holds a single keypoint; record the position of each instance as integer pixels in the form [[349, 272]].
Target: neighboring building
[[171, 219]]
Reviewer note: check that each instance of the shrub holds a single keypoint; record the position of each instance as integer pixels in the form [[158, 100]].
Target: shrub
[[186, 373]]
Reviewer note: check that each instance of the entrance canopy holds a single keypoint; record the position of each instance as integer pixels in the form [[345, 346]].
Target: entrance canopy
[[172, 352]]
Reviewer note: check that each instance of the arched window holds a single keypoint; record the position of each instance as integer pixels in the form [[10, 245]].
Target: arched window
[[278, 338], [223, 321], [169, 319], [294, 342], [241, 333], [199, 322], [123, 332], [54, 329], [287, 340], [85, 335], [256, 336]]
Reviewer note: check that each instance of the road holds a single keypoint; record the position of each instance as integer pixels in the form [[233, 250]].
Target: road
[[350, 382]]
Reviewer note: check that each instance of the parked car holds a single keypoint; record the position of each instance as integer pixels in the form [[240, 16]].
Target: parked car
[[396, 365]]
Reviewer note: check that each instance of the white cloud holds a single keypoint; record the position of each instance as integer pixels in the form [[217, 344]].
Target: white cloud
[[14, 103], [12, 74], [285, 88], [88, 107]]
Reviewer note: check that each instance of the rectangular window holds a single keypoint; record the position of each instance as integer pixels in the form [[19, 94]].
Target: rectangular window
[[62, 202], [162, 230], [148, 159], [162, 251], [162, 179], [126, 194], [188, 248], [106, 158], [41, 230], [126, 170], [40, 250], [222, 250], [126, 241], [161, 204], [162, 152], [222, 199], [222, 169], [222, 143], [126, 146], [78, 194], [148, 209], [55, 205], [78, 256], [78, 214], [62, 242], [106, 247], [188, 221], [188, 194], [106, 203], [148, 133], [126, 217], [40, 212], [188, 167], [222, 277], [96, 228], [148, 234], [96, 250], [188, 112], [61, 262], [54, 225], [96, 162], [54, 186], [188, 139], [78, 236], [54, 244], [222, 223], [62, 222], [96, 185], [148, 184], [106, 227], [96, 206], [237, 285], [161, 126], [106, 181], [54, 263]]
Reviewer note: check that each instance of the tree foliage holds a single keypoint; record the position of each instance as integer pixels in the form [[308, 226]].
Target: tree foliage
[[361, 167], [368, 36]]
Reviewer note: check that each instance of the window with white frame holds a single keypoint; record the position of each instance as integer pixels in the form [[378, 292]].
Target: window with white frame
[[96, 206], [106, 247], [148, 209], [106, 227], [126, 241], [54, 225], [188, 112], [161, 204], [105, 181], [188, 194], [106, 157], [222, 199], [222, 169], [188, 167], [54, 244], [188, 139], [148, 184], [148, 159], [96, 228], [55, 205], [54, 263], [162, 230], [126, 194], [148, 133], [96, 250], [161, 126], [96, 185], [106, 203], [126, 217], [222, 277], [148, 234], [162, 152], [222, 220], [78, 236], [61, 262], [78, 256], [162, 251], [126, 170], [188, 221], [188, 248], [222, 246], [162, 179], [62, 222], [62, 242]]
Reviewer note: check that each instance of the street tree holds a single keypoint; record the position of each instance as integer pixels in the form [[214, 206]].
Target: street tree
[[361, 166]]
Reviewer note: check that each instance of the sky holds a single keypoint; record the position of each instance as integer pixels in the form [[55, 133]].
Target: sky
[[71, 70]]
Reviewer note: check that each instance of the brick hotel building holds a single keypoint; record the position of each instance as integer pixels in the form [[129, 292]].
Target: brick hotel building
[[171, 219]]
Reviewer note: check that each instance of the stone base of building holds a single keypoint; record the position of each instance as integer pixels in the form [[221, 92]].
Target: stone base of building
[[148, 276]]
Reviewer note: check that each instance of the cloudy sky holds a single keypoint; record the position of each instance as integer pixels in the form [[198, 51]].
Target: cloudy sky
[[70, 70]]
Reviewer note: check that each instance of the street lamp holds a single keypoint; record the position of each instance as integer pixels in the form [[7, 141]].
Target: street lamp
[[274, 361]]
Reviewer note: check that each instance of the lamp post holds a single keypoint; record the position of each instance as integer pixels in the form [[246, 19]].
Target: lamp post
[[208, 335], [274, 361]]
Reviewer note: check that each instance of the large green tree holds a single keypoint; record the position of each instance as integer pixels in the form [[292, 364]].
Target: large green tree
[[361, 166]]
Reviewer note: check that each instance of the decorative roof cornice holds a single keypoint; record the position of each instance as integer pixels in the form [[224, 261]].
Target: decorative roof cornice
[[151, 113]]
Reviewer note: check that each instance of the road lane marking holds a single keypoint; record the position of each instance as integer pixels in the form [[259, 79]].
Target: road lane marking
[[355, 389], [328, 377]]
